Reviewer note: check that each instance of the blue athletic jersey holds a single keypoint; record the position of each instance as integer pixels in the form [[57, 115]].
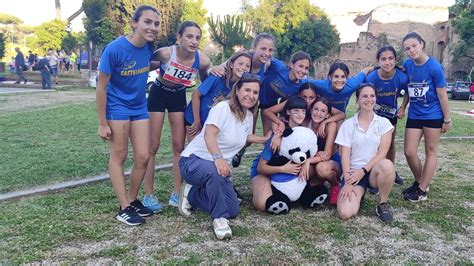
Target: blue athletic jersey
[[128, 67], [277, 84], [339, 99], [212, 89], [387, 92], [423, 81]]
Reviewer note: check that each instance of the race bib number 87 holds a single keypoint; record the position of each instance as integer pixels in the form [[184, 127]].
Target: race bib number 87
[[181, 74], [417, 91]]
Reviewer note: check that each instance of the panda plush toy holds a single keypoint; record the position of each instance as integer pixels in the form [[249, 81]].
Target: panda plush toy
[[297, 145]]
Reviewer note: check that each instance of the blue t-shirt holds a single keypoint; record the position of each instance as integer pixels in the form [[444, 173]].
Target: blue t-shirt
[[387, 92], [267, 154], [339, 99], [423, 81], [128, 67], [212, 89], [277, 84]]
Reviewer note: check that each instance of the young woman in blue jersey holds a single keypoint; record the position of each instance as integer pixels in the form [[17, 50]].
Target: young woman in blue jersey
[[428, 115], [281, 82], [122, 108], [389, 81], [260, 172], [338, 89], [179, 65], [213, 90], [262, 50]]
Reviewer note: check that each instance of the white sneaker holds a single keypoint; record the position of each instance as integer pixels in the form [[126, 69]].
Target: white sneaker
[[222, 228], [183, 205]]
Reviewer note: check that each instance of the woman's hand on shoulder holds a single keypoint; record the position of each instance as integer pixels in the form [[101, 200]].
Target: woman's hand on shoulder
[[276, 142], [347, 192], [322, 129], [218, 71]]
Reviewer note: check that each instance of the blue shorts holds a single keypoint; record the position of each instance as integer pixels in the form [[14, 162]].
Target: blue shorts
[[128, 117], [364, 182], [54, 71]]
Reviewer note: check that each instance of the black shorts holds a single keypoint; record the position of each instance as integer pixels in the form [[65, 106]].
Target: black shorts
[[364, 182], [163, 98], [421, 123]]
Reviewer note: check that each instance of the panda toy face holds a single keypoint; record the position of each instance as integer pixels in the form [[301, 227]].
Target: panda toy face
[[298, 144]]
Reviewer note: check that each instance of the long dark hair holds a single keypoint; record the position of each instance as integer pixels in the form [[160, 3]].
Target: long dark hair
[[414, 35], [233, 57], [185, 24], [234, 103], [336, 66], [139, 12]]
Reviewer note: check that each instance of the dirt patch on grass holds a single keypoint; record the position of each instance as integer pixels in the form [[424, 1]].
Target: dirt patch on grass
[[25, 102]]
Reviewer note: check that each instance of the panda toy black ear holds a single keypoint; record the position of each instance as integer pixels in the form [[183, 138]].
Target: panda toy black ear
[[287, 132]]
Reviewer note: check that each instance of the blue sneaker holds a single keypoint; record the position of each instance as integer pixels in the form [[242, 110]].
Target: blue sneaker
[[174, 200], [152, 203]]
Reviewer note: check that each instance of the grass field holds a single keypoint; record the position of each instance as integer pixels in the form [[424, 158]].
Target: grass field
[[48, 144]]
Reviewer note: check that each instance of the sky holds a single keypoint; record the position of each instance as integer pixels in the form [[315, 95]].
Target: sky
[[35, 12]]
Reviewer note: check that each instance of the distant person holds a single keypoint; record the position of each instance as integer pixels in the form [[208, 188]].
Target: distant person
[[45, 70], [73, 58], [31, 59], [54, 63], [12, 65], [19, 66]]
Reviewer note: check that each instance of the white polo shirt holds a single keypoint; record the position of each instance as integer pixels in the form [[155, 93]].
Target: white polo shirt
[[231, 137], [364, 145]]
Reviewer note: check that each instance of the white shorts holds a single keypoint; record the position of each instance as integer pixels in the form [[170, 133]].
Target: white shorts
[[292, 188]]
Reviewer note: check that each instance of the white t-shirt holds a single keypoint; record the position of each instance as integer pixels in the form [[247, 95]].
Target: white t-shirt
[[364, 145], [231, 137], [53, 60]]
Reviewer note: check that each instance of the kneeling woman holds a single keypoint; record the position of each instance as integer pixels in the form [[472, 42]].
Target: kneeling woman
[[204, 163], [365, 140]]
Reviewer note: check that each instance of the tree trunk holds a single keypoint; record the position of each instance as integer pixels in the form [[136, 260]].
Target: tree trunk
[[57, 4]]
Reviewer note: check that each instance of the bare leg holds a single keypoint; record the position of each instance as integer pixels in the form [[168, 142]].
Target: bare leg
[[261, 190], [432, 136], [178, 135], [412, 140], [118, 149], [382, 177], [139, 136], [349, 207], [156, 126]]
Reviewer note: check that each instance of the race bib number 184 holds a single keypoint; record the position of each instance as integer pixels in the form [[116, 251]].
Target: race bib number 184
[[181, 74]]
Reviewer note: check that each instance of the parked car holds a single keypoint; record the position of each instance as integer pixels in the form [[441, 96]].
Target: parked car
[[450, 86], [460, 90]]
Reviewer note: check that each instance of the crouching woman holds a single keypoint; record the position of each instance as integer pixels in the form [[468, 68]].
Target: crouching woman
[[365, 140], [204, 163]]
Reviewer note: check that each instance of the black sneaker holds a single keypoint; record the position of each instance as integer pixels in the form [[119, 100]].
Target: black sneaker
[[239, 197], [26, 80], [411, 188], [398, 179], [140, 209], [417, 195], [384, 213], [238, 157], [129, 216]]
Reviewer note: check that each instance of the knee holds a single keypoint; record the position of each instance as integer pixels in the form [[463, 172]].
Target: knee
[[323, 170], [259, 203], [177, 148], [345, 213], [118, 157], [386, 166], [234, 210], [142, 159], [410, 153], [154, 149]]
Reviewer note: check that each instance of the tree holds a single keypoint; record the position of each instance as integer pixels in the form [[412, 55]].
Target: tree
[[49, 35], [315, 36], [9, 19], [463, 23], [2, 45], [108, 19], [193, 10], [69, 42], [228, 33], [284, 18]]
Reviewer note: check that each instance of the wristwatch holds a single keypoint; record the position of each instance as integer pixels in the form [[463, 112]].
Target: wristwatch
[[216, 156]]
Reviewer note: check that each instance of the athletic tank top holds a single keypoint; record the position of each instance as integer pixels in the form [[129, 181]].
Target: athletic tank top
[[178, 73]]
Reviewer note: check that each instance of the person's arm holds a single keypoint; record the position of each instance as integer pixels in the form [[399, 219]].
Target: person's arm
[[196, 127], [210, 137], [443, 101], [159, 56], [101, 98], [271, 113], [265, 169], [331, 132], [336, 116], [403, 107], [204, 64], [219, 70], [252, 138], [349, 187]]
